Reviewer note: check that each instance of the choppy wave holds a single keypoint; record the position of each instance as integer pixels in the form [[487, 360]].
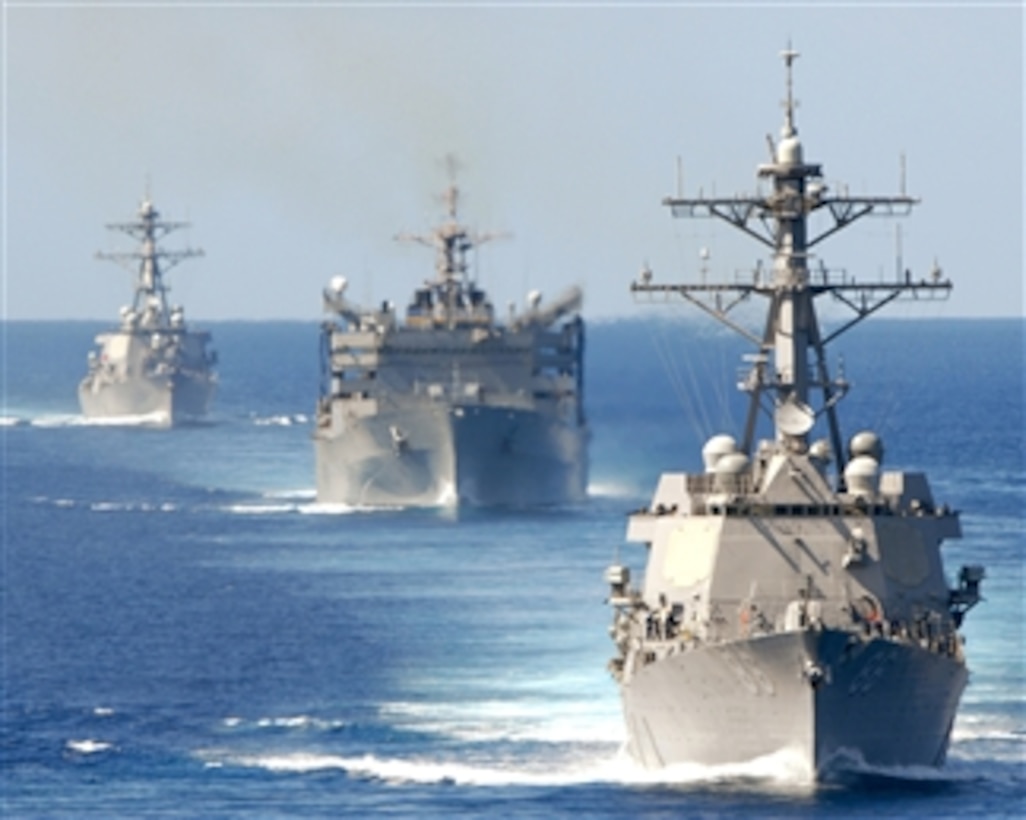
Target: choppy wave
[[988, 737], [305, 493], [108, 506], [504, 720], [311, 508], [259, 509], [155, 419], [297, 722], [281, 420], [1008, 735], [131, 506], [87, 747], [11, 421], [326, 508], [576, 764], [273, 504], [784, 768]]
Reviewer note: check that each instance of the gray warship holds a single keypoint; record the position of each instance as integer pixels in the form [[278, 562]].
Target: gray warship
[[151, 365], [794, 599], [449, 405]]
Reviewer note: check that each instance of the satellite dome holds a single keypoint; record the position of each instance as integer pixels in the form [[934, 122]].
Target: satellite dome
[[534, 298], [716, 448], [338, 284], [789, 151], [731, 464], [727, 471], [866, 443], [861, 475], [820, 451]]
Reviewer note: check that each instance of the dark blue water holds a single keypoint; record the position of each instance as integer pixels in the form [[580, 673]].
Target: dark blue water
[[186, 633]]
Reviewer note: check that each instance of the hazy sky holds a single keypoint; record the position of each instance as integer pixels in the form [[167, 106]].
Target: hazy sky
[[299, 138]]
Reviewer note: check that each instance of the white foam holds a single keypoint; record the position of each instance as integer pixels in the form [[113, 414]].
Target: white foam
[[299, 722], [396, 770], [156, 419], [305, 493], [260, 509], [989, 738], [317, 508], [56, 421], [988, 728], [964, 734], [109, 506], [581, 722], [284, 722], [447, 496], [127, 506], [11, 421], [281, 421], [87, 747], [313, 508], [784, 768], [103, 711]]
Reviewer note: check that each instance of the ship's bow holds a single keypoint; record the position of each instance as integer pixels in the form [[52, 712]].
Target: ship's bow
[[830, 698]]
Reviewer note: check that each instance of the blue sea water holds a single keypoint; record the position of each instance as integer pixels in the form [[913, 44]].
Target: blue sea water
[[186, 633]]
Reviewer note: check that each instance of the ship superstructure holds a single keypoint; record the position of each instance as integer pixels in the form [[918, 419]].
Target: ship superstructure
[[794, 597], [449, 405], [151, 365]]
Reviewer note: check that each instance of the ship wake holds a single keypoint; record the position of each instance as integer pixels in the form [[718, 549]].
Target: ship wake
[[574, 767]]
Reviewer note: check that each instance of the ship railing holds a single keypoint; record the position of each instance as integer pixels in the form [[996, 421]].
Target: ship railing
[[865, 618], [699, 484]]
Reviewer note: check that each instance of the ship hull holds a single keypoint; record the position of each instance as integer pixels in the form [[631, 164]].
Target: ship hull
[[171, 399], [878, 703], [439, 455]]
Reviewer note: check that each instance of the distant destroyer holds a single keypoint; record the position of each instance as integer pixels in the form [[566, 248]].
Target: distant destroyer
[[152, 365], [794, 598], [450, 406]]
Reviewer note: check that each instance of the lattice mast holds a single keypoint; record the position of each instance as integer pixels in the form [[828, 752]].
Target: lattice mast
[[452, 241], [791, 363], [150, 262]]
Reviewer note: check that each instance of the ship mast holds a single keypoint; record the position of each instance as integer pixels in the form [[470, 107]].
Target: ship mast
[[791, 363], [149, 262], [451, 240]]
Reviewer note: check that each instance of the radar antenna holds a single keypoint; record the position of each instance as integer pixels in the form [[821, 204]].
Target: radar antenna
[[789, 55], [452, 241], [791, 362], [150, 262]]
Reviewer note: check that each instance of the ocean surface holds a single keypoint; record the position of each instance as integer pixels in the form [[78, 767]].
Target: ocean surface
[[186, 633]]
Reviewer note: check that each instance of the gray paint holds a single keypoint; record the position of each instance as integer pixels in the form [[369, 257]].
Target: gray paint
[[152, 364], [449, 405], [794, 596]]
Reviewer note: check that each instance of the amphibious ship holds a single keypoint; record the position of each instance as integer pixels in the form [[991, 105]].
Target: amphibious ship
[[794, 599], [449, 405], [151, 365]]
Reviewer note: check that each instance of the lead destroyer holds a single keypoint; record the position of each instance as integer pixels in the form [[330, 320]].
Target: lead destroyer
[[450, 405], [152, 364], [787, 604]]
